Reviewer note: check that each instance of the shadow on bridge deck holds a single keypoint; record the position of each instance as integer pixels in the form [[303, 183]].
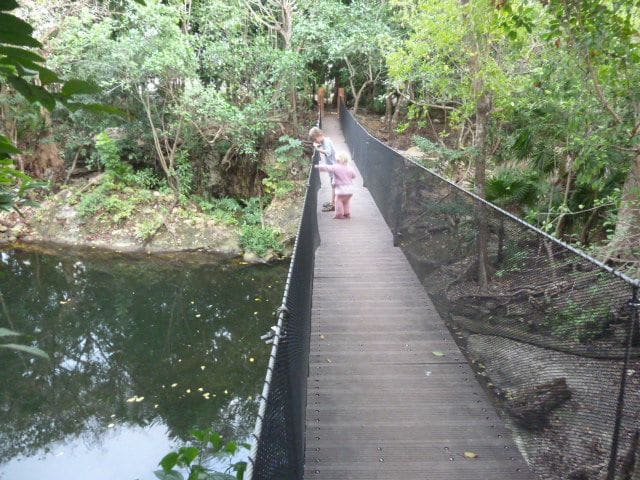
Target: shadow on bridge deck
[[390, 396]]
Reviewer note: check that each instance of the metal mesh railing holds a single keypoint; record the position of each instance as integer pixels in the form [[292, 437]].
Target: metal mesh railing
[[278, 446], [552, 336]]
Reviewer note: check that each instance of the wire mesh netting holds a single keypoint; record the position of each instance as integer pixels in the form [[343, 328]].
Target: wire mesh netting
[[278, 451], [552, 334]]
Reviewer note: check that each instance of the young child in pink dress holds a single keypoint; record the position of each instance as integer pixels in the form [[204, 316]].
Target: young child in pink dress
[[343, 175]]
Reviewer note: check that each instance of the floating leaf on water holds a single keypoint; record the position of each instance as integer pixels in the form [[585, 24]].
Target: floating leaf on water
[[470, 455], [438, 353]]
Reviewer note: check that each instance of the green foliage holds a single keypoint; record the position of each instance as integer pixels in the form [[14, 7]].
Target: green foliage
[[92, 202], [224, 210], [17, 347], [148, 228], [184, 172], [252, 211], [560, 79], [449, 156], [192, 458], [512, 188], [577, 323], [260, 240], [24, 71], [113, 202], [279, 181], [119, 208], [145, 178], [109, 157]]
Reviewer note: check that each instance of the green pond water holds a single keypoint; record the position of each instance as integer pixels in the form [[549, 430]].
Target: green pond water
[[142, 351]]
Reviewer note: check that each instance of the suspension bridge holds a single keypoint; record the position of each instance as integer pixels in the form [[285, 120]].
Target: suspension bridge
[[367, 380]]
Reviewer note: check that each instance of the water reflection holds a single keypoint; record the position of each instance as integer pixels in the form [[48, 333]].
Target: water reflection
[[142, 351]]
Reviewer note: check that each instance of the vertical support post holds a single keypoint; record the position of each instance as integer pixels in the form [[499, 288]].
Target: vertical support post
[[634, 306], [400, 200], [340, 99], [322, 92]]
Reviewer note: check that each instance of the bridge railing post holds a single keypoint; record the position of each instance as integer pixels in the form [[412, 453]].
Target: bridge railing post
[[634, 307]]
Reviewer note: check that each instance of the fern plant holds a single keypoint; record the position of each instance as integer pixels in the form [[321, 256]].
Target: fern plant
[[512, 188]]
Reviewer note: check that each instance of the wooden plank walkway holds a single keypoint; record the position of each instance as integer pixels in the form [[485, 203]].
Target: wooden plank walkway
[[380, 404]]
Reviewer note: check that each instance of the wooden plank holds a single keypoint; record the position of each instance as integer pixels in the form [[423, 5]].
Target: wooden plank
[[390, 395]]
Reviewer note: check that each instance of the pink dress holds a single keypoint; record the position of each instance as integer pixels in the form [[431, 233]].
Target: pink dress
[[343, 176]]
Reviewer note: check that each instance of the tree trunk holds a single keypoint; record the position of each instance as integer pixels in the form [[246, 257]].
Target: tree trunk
[[294, 107], [627, 232], [562, 220], [388, 113], [358, 95], [483, 110], [396, 114]]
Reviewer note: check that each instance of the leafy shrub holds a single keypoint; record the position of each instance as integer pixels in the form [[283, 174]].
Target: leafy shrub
[[260, 240], [121, 209], [109, 156], [252, 211], [577, 323], [205, 443], [92, 202], [289, 150], [512, 187], [224, 210], [288, 165], [228, 204], [147, 228], [146, 178], [278, 187], [184, 172], [449, 155], [402, 127]]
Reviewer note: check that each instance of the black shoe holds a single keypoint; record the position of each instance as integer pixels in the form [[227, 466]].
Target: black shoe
[[328, 208]]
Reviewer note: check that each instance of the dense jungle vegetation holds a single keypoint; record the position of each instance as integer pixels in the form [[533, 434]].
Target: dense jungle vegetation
[[532, 103]]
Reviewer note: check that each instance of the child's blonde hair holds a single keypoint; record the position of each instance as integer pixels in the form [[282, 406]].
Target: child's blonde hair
[[343, 158], [314, 133]]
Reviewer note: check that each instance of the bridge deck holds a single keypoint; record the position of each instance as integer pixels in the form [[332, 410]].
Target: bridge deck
[[381, 404]]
